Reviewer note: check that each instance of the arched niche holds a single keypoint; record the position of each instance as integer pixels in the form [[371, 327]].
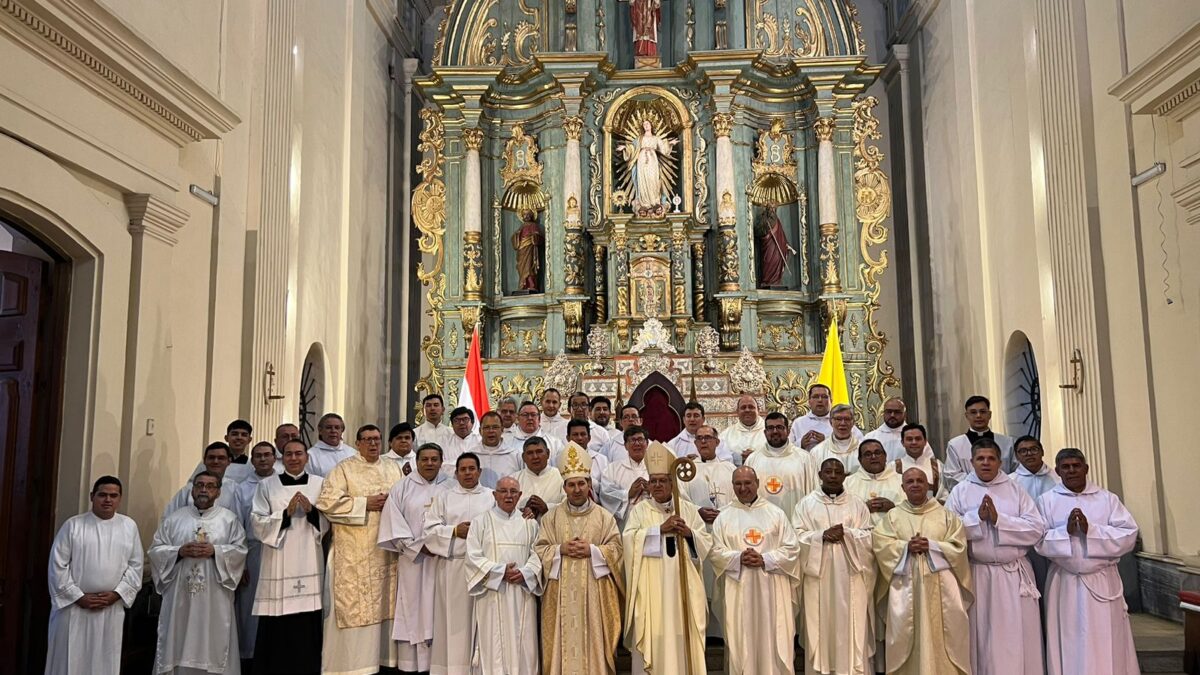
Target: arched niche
[[1022, 388], [312, 393]]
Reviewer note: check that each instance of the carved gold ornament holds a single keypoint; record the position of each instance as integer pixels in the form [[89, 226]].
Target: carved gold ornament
[[774, 168], [722, 124], [429, 215], [573, 127], [823, 127], [522, 174]]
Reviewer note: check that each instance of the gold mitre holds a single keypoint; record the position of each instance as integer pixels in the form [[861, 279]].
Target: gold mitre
[[578, 463], [659, 458]]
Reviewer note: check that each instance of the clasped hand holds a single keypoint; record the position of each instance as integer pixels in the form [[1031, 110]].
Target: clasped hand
[[1077, 523], [918, 545], [752, 558], [834, 535], [376, 502], [300, 501], [196, 549], [987, 510], [576, 548], [513, 575], [98, 600], [675, 525]]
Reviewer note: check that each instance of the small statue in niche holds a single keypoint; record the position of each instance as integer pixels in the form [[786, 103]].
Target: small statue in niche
[[645, 16], [527, 242], [773, 247]]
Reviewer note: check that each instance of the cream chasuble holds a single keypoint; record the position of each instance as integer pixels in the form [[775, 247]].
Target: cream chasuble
[[196, 626], [453, 607], [1087, 621], [505, 614], [292, 569], [927, 595], [360, 577], [867, 486], [839, 584], [548, 485], [785, 475], [1006, 618], [91, 555], [618, 477], [581, 607], [845, 451], [756, 605], [654, 620]]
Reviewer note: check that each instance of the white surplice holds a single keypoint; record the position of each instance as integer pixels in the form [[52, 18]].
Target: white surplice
[[293, 565], [1006, 618], [785, 475], [183, 498], [739, 437], [845, 451], [91, 555], [1036, 484], [496, 463], [548, 485], [236, 472], [958, 457], [618, 477], [505, 615], [712, 488], [453, 607], [1087, 620], [891, 439], [196, 626], [409, 460], [402, 529], [323, 457], [839, 582], [810, 422], [455, 446], [439, 433], [867, 486], [555, 426], [756, 605], [516, 441]]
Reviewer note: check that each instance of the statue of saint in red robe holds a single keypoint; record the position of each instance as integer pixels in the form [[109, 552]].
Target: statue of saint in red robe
[[527, 242], [645, 15], [774, 248]]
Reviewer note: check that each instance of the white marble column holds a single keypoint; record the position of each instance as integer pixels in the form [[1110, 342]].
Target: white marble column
[[827, 206]]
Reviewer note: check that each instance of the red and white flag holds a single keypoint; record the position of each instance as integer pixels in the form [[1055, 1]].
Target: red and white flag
[[472, 393]]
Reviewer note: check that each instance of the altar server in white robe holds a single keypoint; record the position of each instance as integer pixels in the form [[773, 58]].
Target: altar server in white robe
[[890, 431], [814, 426], [625, 482], [834, 528], [684, 444], [666, 613], [401, 529], [433, 429], [755, 555], [615, 449], [978, 412], [841, 443], [1033, 474], [197, 559], [918, 455], [463, 437], [747, 433], [329, 450], [401, 444], [238, 435], [497, 459], [1002, 524], [580, 433], [262, 460], [504, 577], [528, 425], [216, 461], [508, 416], [785, 473], [1088, 529], [287, 603], [551, 422], [541, 484], [446, 528], [95, 573]]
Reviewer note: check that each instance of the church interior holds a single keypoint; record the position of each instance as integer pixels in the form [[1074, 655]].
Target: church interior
[[274, 209]]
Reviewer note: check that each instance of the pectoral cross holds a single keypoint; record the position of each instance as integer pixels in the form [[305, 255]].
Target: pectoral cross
[[201, 535]]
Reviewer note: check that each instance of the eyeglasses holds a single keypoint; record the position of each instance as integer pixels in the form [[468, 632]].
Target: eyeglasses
[[206, 487], [507, 491], [372, 441], [706, 437]]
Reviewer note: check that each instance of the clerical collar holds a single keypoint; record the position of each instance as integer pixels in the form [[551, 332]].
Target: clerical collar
[[240, 459], [839, 493], [286, 478]]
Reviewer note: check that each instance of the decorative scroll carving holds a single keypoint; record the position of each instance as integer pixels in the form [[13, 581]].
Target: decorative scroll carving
[[472, 266], [600, 297], [678, 274], [522, 174], [698, 294], [804, 276], [722, 124], [573, 127], [573, 323], [788, 392], [473, 138], [873, 202], [653, 335], [622, 276], [708, 343], [519, 387], [597, 347], [573, 261], [831, 280], [429, 215], [596, 184], [561, 375], [747, 375], [779, 337], [824, 127], [731, 322], [522, 341]]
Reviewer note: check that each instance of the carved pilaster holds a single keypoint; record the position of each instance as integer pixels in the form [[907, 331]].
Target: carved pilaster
[[621, 271], [823, 128], [573, 324], [830, 279], [600, 303], [722, 125], [473, 138], [698, 295], [730, 322], [472, 266], [678, 274]]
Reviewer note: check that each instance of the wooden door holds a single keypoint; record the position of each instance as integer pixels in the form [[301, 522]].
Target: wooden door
[[28, 429]]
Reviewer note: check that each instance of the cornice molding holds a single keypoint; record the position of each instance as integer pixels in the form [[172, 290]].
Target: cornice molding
[[151, 216], [91, 45], [1167, 83]]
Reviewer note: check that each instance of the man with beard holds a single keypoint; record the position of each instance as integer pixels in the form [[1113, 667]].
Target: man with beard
[[216, 462], [895, 416], [786, 473]]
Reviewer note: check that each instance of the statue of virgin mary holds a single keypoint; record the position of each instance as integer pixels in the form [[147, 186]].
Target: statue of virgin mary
[[651, 172]]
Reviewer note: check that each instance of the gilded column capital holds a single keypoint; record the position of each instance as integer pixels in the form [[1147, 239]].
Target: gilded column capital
[[722, 124], [824, 127], [573, 125], [473, 137]]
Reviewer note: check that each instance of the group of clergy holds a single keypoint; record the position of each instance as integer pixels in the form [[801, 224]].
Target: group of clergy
[[541, 543]]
